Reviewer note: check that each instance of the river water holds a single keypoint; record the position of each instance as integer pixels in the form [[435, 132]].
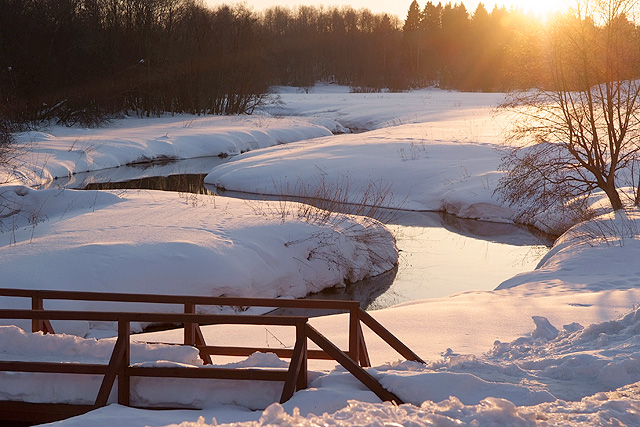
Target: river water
[[440, 254]]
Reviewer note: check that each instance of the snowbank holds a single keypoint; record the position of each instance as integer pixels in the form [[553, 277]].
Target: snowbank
[[63, 151], [371, 111], [168, 243], [619, 408], [399, 167], [599, 254]]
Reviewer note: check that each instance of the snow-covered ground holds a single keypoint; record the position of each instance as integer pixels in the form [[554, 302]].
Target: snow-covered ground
[[65, 151], [556, 346], [166, 243]]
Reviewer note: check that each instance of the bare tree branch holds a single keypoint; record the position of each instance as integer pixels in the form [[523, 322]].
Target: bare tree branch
[[581, 134]]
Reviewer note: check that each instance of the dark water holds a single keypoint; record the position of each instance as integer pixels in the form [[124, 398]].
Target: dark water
[[179, 183]]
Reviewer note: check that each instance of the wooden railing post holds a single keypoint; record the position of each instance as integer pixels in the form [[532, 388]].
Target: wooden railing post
[[44, 325], [36, 304], [124, 382], [365, 362], [190, 328], [301, 334], [297, 373], [193, 334], [354, 342]]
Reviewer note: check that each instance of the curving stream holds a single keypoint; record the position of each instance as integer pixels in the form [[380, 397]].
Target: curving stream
[[440, 254]]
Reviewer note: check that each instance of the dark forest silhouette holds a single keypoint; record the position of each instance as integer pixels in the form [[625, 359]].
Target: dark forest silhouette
[[81, 61]]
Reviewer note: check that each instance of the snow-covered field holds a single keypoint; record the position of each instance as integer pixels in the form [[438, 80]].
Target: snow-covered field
[[556, 346]]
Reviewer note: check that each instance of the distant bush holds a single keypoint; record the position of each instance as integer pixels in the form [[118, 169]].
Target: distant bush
[[6, 140]]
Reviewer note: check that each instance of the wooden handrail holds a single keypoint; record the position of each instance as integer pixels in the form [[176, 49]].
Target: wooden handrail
[[107, 316], [180, 299]]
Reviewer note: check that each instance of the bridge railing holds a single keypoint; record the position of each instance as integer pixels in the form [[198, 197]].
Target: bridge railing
[[119, 366]]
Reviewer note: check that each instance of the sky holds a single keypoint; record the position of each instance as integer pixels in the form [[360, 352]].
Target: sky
[[400, 8]]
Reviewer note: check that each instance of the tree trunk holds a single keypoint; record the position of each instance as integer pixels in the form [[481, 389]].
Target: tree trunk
[[614, 198]]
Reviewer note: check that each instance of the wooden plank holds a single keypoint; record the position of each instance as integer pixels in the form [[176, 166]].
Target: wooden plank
[[179, 299], [40, 324], [38, 413], [150, 317], [354, 347], [206, 358], [208, 373], [229, 319], [111, 372], [301, 335], [286, 353], [363, 353], [53, 367], [37, 304], [388, 337], [295, 370], [124, 381], [341, 357], [189, 328]]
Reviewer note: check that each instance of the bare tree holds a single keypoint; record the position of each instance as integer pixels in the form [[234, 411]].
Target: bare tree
[[580, 133]]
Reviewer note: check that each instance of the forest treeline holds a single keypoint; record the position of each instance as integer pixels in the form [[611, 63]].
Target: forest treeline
[[79, 61]]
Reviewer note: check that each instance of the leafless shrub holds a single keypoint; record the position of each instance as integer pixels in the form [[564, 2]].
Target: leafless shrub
[[7, 142], [610, 231], [323, 201]]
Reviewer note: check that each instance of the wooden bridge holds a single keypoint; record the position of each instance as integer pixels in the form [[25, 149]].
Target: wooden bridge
[[354, 359]]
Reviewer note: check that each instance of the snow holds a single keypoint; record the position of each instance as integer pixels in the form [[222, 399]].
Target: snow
[[158, 240], [63, 151], [432, 150], [559, 345]]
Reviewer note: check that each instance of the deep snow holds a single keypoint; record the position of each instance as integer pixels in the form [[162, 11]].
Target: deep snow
[[556, 346]]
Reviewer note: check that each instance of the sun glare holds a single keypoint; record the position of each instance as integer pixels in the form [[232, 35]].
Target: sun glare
[[539, 8]]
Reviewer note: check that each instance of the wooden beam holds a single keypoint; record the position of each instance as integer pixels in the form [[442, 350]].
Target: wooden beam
[[206, 372], [124, 382], [223, 319], [43, 325], [178, 299], [39, 413], [297, 374], [286, 353], [190, 328], [53, 367], [356, 370], [354, 347], [111, 371], [200, 342], [389, 338]]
